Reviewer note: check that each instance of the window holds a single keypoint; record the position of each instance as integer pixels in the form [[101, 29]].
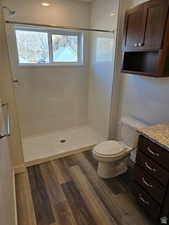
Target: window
[[45, 47], [32, 46], [65, 48]]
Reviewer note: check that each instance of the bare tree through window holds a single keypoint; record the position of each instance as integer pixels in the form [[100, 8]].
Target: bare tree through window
[[32, 47]]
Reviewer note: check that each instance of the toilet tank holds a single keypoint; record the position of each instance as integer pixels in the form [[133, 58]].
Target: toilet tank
[[128, 131]]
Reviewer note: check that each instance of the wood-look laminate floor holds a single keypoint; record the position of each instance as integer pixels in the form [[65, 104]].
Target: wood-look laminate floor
[[68, 191]]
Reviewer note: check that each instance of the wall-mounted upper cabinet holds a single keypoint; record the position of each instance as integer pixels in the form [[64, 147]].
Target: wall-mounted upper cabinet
[[146, 39], [135, 27], [156, 17], [145, 25]]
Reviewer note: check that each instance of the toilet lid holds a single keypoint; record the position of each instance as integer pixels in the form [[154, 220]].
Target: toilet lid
[[109, 148]]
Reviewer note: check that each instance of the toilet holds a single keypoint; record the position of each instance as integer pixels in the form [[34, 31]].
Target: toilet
[[113, 155]]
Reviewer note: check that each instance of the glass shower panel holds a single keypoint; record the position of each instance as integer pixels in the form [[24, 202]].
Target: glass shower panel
[[102, 55]]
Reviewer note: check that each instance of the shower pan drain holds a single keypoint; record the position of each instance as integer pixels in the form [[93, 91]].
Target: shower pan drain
[[63, 141]]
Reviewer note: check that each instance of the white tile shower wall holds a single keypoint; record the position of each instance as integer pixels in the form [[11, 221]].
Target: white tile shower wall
[[145, 98], [50, 98], [102, 64], [60, 12]]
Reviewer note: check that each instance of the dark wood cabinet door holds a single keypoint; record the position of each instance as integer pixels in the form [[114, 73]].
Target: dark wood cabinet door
[[145, 41], [148, 204], [155, 25], [135, 27]]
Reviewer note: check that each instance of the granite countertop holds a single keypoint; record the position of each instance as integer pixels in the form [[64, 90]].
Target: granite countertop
[[158, 134]]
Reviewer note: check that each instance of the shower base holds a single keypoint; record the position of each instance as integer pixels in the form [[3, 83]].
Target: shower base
[[61, 143]]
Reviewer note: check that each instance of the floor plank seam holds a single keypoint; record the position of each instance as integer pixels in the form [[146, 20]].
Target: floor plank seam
[[101, 199], [68, 191]]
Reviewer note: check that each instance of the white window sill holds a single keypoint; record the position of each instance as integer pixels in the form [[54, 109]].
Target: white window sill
[[51, 65]]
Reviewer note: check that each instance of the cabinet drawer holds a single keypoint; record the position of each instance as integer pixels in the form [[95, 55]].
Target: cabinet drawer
[[153, 168], [154, 151], [147, 203], [153, 187]]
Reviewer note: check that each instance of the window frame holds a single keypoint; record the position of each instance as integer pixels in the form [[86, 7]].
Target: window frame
[[50, 32]]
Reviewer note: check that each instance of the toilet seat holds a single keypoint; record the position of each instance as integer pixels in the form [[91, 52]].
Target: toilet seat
[[110, 149]]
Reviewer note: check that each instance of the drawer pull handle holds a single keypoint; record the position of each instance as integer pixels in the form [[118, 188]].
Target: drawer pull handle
[[146, 183], [148, 167], [143, 200], [152, 153]]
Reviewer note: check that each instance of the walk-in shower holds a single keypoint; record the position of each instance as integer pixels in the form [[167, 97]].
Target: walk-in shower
[[64, 107]]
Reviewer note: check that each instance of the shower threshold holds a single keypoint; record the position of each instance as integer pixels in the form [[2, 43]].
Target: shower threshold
[[58, 144]]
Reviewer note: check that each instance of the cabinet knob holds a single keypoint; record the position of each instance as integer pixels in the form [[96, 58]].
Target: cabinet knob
[[138, 44]]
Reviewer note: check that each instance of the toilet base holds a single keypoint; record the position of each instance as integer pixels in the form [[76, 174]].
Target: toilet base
[[108, 170]]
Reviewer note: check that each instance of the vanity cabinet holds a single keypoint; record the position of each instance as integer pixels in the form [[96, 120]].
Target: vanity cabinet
[[146, 39], [151, 180]]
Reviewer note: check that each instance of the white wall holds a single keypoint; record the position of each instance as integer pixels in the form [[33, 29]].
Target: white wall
[[102, 64], [61, 12], [136, 2], [50, 98], [145, 98]]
